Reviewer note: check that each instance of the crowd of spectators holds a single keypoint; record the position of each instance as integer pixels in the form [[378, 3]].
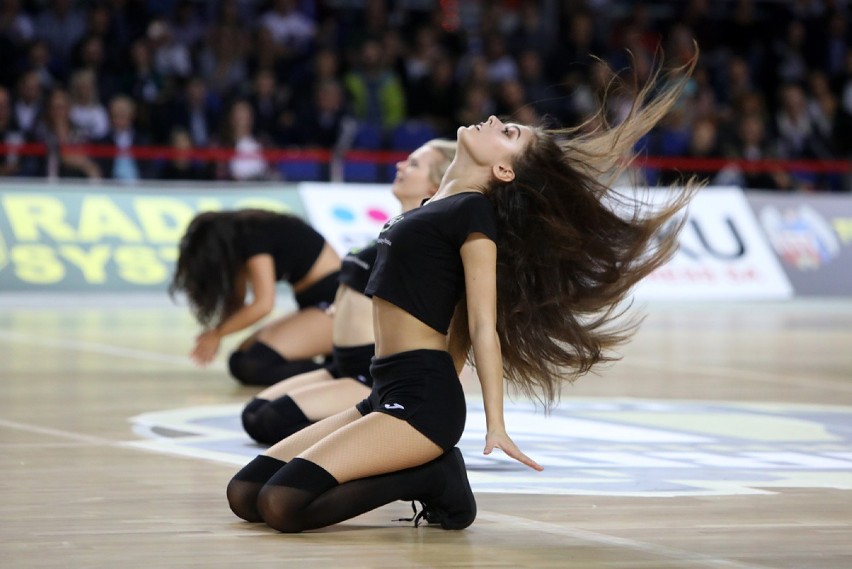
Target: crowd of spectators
[[774, 79]]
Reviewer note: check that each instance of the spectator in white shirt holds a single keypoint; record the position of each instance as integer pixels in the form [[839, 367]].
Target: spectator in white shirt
[[88, 115], [171, 58], [248, 162]]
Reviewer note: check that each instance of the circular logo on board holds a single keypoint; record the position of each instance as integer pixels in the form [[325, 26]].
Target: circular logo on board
[[625, 447], [800, 236]]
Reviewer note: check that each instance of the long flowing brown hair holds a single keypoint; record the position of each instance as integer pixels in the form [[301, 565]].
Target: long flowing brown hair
[[570, 248]]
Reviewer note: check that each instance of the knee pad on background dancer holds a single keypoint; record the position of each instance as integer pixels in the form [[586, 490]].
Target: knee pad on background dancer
[[268, 422], [259, 364], [251, 418], [246, 365]]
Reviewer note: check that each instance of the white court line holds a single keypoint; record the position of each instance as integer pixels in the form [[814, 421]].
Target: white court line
[[80, 438], [690, 559], [98, 348], [32, 446]]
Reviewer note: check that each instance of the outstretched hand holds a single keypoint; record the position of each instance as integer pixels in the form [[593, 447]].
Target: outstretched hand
[[502, 441], [206, 346]]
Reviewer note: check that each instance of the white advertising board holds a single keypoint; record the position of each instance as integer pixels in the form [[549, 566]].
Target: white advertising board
[[348, 215], [723, 255]]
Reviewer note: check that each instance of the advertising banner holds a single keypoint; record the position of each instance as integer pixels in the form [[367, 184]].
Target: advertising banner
[[723, 254], [109, 237], [348, 215], [60, 237], [812, 235]]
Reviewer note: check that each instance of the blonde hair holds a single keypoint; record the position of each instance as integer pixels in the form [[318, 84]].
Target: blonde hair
[[447, 151]]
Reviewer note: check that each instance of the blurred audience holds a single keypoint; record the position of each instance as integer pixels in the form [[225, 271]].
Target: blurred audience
[[182, 166], [123, 136], [64, 158], [774, 79]]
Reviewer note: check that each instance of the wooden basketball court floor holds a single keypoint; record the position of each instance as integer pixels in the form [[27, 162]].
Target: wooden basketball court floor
[[79, 492]]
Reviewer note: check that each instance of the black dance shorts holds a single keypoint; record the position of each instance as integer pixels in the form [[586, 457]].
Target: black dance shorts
[[352, 362], [420, 387], [320, 294]]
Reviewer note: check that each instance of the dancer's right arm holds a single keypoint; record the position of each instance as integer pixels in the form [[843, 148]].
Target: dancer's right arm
[[260, 271]]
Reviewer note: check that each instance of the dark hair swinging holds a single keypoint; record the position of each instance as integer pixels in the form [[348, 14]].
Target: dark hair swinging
[[210, 260], [570, 249]]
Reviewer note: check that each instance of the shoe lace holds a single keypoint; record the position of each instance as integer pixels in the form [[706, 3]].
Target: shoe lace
[[418, 516]]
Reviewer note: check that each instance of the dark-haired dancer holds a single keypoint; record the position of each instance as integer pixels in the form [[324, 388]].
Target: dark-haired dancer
[[521, 250], [223, 255], [296, 402]]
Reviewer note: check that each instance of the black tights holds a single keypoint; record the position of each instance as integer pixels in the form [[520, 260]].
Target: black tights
[[303, 496]]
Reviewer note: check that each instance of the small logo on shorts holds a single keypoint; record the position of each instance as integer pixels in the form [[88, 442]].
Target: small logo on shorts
[[393, 406]]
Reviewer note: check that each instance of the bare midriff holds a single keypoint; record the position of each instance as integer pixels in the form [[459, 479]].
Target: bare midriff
[[398, 331], [353, 321], [327, 262]]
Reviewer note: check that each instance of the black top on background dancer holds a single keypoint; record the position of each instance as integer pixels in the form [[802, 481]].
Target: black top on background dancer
[[223, 255]]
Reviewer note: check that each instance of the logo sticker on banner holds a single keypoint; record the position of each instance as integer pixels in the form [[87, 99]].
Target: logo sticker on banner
[[348, 215], [800, 236], [722, 254], [812, 235]]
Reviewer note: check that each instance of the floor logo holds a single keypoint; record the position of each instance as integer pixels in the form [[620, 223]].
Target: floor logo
[[601, 447]]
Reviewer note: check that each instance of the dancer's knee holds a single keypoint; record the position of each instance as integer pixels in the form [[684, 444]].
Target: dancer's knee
[[242, 499], [285, 498], [260, 364], [242, 367], [278, 511], [252, 422], [244, 487], [268, 422]]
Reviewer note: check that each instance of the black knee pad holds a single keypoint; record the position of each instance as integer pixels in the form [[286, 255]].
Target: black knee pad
[[259, 364], [248, 365], [268, 422], [251, 418]]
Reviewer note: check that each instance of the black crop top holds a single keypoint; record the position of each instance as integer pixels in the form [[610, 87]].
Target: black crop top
[[419, 266], [293, 244], [356, 266]]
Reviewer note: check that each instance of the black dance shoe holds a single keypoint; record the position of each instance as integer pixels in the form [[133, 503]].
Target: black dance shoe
[[455, 507]]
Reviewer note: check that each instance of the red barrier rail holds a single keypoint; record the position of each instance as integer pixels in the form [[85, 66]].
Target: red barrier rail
[[389, 157]]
